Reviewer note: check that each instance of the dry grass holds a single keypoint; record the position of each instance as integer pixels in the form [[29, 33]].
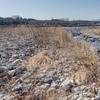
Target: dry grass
[[15, 30], [93, 31], [75, 50], [41, 60], [40, 95], [78, 50], [88, 59], [97, 31], [42, 35], [84, 75]]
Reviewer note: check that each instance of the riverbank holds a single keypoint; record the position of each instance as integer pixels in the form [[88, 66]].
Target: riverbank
[[46, 64]]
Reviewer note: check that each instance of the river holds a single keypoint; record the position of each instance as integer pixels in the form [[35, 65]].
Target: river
[[76, 34]]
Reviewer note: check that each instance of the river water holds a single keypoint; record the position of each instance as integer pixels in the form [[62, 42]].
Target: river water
[[91, 41]]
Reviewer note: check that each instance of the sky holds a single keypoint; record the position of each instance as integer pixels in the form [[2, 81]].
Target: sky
[[48, 9]]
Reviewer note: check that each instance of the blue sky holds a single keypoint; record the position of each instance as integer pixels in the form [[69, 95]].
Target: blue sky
[[47, 9]]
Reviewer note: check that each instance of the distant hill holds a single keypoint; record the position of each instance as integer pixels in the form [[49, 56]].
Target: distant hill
[[95, 20]]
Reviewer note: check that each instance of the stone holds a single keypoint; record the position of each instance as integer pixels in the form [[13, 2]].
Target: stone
[[17, 88], [41, 76], [69, 62], [2, 70], [51, 73], [18, 71], [15, 56], [3, 91], [44, 71], [86, 98], [12, 97], [5, 97], [66, 82], [5, 56], [80, 98], [62, 79], [45, 86], [55, 85], [15, 48], [75, 97], [94, 99], [29, 85], [17, 61], [90, 95], [36, 81], [1, 50], [95, 84], [54, 78], [69, 97], [87, 89], [77, 93], [78, 82], [3, 74], [89, 72], [83, 87], [11, 73], [97, 97], [76, 89], [19, 80], [1, 95], [49, 81], [11, 67], [66, 74], [98, 93], [66, 87], [11, 60]]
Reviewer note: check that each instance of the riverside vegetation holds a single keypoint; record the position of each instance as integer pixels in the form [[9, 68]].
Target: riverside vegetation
[[46, 63]]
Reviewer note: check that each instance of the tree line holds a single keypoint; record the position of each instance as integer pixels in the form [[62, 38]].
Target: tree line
[[17, 20]]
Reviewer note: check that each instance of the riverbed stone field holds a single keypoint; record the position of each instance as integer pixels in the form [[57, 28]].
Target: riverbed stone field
[[26, 68]]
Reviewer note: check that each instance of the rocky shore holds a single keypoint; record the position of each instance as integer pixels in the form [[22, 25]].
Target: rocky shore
[[26, 69]]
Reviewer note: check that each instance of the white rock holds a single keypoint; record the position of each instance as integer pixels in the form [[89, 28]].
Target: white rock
[[83, 87], [45, 86], [51, 73], [99, 93], [5, 97], [86, 99], [78, 82], [55, 85], [17, 61], [75, 97], [15, 56], [95, 84], [62, 79], [41, 76], [17, 87], [66, 82], [80, 98], [1, 95]]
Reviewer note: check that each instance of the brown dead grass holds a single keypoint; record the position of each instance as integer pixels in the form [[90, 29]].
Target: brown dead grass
[[15, 30], [75, 49], [42, 35], [88, 60], [84, 75], [97, 31], [41, 60], [40, 95], [94, 31], [78, 50], [46, 35]]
